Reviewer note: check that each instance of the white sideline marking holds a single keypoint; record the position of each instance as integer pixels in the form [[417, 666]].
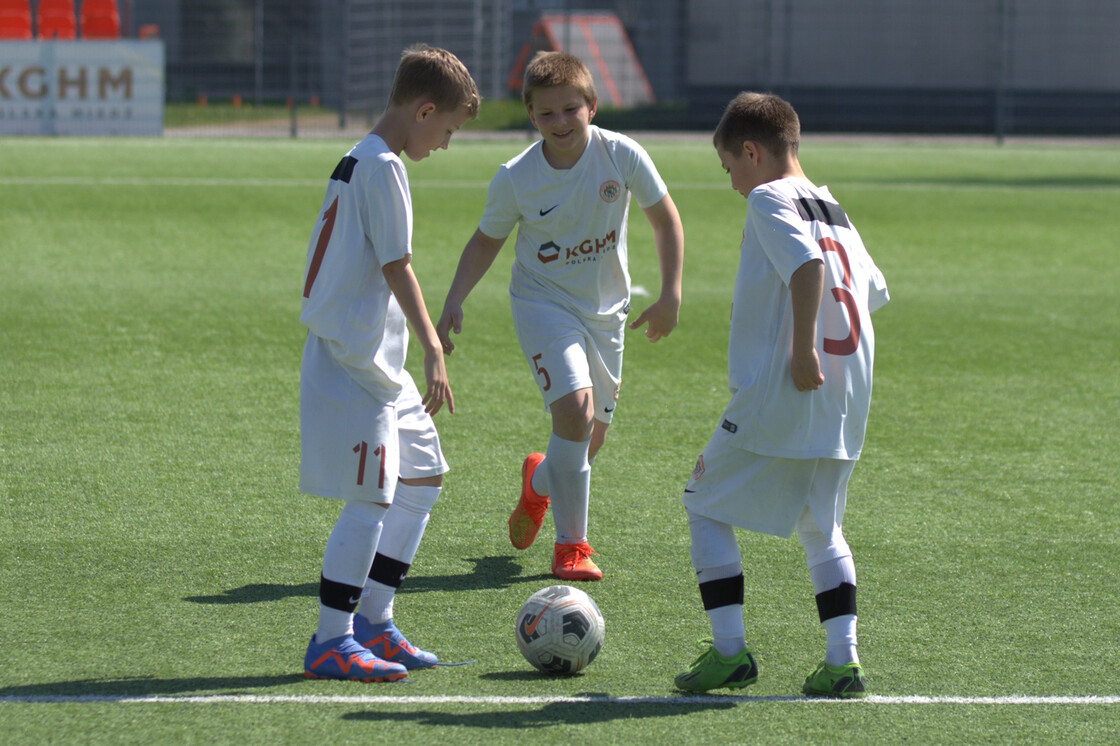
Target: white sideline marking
[[206, 699]]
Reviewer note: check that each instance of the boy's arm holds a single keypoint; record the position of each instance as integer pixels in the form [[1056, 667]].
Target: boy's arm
[[805, 287], [668, 238], [477, 257], [402, 281]]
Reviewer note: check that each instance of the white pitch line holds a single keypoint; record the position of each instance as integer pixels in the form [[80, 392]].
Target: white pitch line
[[474, 700]]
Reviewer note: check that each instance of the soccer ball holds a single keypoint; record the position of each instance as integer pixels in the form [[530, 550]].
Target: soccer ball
[[559, 629]]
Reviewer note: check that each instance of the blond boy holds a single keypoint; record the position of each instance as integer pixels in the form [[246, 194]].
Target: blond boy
[[568, 195], [367, 435]]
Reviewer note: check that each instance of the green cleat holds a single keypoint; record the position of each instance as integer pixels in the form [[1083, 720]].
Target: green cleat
[[844, 682], [712, 671]]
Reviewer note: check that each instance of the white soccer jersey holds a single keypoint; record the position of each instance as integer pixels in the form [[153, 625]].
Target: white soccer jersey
[[365, 223], [790, 222], [571, 223]]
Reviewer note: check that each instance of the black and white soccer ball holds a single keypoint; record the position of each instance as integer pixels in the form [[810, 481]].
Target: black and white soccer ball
[[559, 629]]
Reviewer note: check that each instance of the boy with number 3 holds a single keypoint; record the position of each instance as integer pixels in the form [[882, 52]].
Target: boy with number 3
[[801, 352]]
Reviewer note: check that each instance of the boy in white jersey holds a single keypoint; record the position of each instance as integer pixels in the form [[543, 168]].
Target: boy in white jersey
[[367, 435], [800, 359], [568, 195]]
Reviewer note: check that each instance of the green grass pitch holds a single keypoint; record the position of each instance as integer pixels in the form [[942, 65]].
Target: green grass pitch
[[158, 567]]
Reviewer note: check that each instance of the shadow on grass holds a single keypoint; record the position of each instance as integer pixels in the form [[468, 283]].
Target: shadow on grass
[[488, 573], [552, 713], [144, 686]]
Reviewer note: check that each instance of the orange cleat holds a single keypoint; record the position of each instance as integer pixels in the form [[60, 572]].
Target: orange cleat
[[526, 519], [573, 562]]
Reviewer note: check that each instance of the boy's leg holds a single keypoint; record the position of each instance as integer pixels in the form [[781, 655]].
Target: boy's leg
[[578, 367], [719, 573], [333, 653], [833, 573], [421, 467], [349, 552]]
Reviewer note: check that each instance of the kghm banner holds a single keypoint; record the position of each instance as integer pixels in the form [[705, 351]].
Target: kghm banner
[[81, 88]]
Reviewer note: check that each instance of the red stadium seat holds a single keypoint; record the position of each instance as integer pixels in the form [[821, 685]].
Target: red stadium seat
[[100, 19], [56, 19], [15, 20]]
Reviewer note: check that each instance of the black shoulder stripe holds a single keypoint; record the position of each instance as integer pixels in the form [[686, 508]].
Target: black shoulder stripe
[[829, 213], [344, 170]]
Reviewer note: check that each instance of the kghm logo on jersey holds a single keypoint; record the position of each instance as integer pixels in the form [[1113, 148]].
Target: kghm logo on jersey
[[609, 190], [586, 251]]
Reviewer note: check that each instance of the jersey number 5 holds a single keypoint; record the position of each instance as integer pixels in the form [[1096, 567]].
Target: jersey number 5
[[543, 372], [329, 216], [845, 298]]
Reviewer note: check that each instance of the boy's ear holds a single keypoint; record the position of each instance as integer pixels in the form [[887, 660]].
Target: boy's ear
[[751, 151], [592, 108], [425, 110]]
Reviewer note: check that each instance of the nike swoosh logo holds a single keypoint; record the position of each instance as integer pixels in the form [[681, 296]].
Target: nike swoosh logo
[[354, 600], [532, 626], [545, 212], [607, 410]]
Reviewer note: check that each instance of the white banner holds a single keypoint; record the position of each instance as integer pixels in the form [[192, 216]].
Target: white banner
[[81, 87]]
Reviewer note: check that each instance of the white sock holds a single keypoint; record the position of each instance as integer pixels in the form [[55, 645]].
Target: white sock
[[346, 560], [404, 527], [539, 482], [840, 631], [841, 634], [729, 635], [569, 477]]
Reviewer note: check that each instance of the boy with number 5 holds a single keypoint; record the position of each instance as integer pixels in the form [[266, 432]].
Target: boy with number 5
[[568, 196], [801, 352]]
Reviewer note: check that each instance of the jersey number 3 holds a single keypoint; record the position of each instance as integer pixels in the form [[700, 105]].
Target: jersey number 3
[[845, 298], [329, 216]]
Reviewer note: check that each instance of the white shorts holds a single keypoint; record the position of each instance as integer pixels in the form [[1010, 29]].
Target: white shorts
[[352, 446], [766, 493], [567, 353]]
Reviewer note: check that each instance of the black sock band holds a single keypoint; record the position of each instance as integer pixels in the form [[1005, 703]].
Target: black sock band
[[722, 592], [339, 596], [839, 601], [388, 571]]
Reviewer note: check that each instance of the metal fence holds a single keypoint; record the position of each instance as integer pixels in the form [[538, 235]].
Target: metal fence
[[1002, 67]]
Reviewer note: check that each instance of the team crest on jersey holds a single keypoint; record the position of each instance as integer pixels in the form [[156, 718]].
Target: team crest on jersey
[[609, 190], [698, 470]]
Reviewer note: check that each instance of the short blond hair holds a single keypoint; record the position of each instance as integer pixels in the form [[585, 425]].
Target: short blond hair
[[764, 118], [552, 69], [437, 75]]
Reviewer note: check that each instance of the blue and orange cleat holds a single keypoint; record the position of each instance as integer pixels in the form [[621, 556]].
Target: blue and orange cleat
[[386, 642], [343, 658]]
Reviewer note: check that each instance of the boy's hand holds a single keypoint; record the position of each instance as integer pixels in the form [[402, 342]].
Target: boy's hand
[[450, 320], [438, 387], [662, 318], [805, 368]]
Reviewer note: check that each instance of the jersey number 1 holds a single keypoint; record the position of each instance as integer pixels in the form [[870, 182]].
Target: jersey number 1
[[329, 216]]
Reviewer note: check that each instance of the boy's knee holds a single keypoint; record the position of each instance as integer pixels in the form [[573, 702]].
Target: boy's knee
[[573, 415]]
